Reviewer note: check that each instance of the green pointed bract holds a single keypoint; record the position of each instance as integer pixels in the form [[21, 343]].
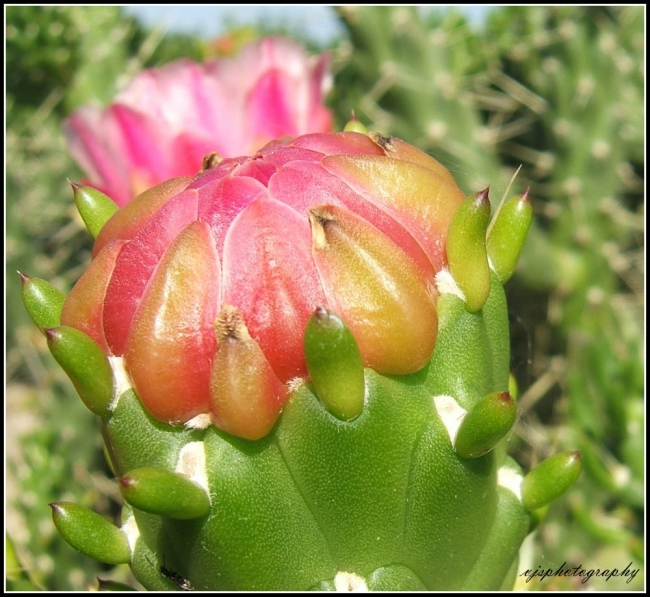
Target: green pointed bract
[[86, 365], [507, 235], [43, 301], [467, 252], [334, 364], [94, 207], [162, 492], [353, 125], [550, 479], [485, 425], [90, 533], [513, 386]]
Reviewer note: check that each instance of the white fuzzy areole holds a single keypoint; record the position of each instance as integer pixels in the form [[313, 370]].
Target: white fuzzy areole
[[121, 381], [349, 582], [191, 463], [451, 414], [294, 383], [132, 532], [201, 421], [510, 479], [447, 285]]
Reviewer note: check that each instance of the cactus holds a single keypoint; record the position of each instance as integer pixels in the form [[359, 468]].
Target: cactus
[[261, 447]]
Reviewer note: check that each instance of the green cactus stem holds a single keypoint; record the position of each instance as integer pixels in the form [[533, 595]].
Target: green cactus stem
[[94, 207], [466, 249], [162, 492], [43, 301], [507, 234], [485, 425], [90, 533], [550, 479], [334, 364], [491, 571], [86, 365]]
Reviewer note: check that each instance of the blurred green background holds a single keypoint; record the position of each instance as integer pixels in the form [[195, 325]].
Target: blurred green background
[[558, 91]]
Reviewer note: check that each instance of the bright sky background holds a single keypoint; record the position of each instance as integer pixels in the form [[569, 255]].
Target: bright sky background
[[317, 22]]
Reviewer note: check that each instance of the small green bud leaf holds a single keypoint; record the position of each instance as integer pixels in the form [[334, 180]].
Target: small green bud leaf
[[94, 207], [86, 365], [550, 479], [165, 493], [90, 533], [513, 386], [507, 235], [467, 252], [485, 425], [355, 126], [43, 301], [334, 364]]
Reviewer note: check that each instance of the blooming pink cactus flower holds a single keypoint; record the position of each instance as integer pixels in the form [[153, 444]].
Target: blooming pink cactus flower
[[168, 118], [204, 286]]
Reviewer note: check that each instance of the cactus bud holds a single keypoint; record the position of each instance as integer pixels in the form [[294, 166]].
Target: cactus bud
[[43, 301], [334, 364], [486, 424], [466, 250], [507, 234], [90, 533], [94, 207], [86, 365], [158, 491], [550, 479]]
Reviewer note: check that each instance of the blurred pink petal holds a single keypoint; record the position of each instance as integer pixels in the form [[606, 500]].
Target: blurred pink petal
[[167, 119]]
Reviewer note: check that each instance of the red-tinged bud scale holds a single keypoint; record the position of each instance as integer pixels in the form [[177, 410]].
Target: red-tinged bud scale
[[245, 395]]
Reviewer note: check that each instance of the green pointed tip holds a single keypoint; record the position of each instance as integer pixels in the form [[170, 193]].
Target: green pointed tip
[[513, 386], [507, 235], [162, 492], [334, 364], [550, 479], [86, 365], [485, 425], [353, 125], [42, 301], [90, 533], [467, 251], [94, 207]]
